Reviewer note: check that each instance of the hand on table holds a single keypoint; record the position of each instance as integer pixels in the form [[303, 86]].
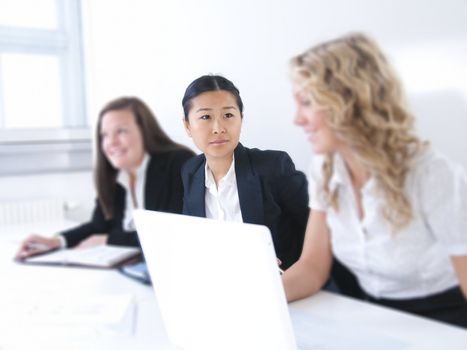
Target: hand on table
[[36, 244]]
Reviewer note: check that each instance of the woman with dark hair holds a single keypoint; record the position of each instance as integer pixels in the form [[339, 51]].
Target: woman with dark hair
[[384, 202], [137, 166], [234, 183]]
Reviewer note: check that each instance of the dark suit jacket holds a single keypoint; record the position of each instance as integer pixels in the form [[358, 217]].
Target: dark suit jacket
[[163, 192], [271, 193]]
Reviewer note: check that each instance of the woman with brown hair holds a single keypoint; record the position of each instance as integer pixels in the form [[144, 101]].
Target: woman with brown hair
[[385, 204], [137, 166]]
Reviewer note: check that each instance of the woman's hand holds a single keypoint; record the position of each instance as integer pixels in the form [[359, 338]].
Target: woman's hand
[[36, 244]]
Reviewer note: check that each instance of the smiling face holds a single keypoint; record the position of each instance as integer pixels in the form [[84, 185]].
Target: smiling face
[[312, 118], [121, 140], [214, 123]]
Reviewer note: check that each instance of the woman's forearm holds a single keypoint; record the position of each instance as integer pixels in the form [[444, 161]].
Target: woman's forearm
[[301, 280]]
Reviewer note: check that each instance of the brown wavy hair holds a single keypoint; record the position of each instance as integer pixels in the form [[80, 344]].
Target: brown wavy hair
[[351, 77], [155, 141]]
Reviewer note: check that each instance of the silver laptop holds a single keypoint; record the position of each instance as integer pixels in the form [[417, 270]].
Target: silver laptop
[[217, 283]]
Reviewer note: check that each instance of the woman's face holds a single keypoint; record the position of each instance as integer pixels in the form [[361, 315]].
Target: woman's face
[[312, 118], [121, 140], [214, 123]]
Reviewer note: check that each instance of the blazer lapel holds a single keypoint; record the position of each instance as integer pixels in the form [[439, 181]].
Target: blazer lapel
[[195, 196], [155, 180], [249, 188]]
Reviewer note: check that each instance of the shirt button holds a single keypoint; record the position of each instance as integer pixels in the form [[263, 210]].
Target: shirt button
[[364, 231]]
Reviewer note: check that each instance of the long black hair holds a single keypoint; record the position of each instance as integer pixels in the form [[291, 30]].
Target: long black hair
[[208, 83]]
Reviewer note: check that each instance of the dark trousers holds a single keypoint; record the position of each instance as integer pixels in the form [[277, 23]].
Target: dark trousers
[[344, 281], [449, 306]]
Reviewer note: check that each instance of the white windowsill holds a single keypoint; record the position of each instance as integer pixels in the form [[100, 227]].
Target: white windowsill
[[45, 151], [15, 136]]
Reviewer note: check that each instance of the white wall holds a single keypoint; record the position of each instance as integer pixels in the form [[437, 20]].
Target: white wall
[[153, 49], [75, 188]]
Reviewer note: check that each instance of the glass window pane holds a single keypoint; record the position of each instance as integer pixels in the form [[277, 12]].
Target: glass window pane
[[31, 86], [29, 13]]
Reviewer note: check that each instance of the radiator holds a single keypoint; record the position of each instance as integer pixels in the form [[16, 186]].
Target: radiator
[[18, 212]]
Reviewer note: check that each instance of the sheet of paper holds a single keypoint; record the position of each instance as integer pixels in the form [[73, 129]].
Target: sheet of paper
[[319, 333], [89, 316]]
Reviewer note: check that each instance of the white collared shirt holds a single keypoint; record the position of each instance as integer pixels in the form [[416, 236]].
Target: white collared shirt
[[123, 178], [222, 202], [415, 261]]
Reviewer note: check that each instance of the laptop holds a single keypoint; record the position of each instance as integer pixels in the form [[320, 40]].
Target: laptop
[[217, 283]]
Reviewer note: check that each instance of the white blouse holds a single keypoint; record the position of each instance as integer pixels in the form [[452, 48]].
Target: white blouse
[[415, 261], [222, 202], [123, 178]]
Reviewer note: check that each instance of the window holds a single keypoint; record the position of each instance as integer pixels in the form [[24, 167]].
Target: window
[[42, 99]]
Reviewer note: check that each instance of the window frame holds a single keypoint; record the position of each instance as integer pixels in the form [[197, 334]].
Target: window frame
[[61, 145]]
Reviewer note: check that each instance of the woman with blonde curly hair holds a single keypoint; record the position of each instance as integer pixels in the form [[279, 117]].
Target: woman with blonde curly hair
[[385, 204]]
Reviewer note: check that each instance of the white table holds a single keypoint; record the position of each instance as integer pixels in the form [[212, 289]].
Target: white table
[[331, 319], [389, 328], [26, 283]]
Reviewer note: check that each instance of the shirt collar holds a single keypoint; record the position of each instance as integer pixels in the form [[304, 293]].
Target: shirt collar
[[228, 179], [340, 176], [123, 178]]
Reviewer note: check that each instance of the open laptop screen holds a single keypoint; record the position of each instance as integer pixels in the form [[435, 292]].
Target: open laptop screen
[[217, 283]]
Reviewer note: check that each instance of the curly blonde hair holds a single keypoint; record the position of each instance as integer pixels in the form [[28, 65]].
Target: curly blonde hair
[[353, 80]]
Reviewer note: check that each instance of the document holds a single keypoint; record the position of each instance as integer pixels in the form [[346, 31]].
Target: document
[[102, 256], [88, 317]]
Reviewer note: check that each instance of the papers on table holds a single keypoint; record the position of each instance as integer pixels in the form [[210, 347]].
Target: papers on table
[[86, 317]]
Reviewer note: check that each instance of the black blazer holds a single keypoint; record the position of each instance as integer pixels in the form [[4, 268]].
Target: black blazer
[[163, 192], [271, 193]]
